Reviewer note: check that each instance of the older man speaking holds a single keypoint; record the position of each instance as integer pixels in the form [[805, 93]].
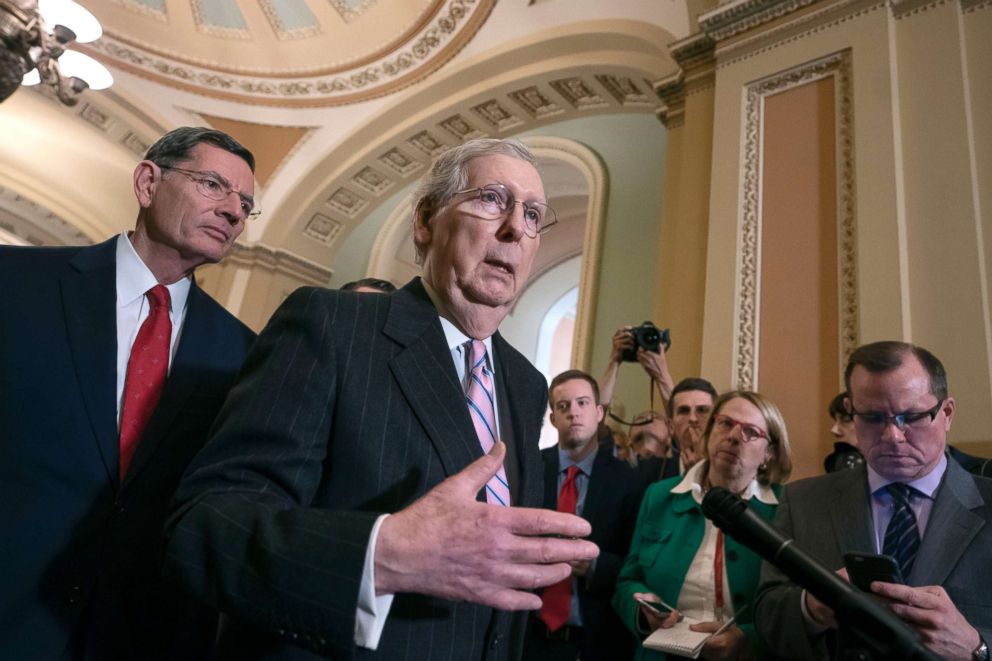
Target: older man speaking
[[352, 407]]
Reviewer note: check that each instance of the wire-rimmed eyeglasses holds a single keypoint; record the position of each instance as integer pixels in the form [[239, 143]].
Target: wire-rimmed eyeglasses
[[215, 188], [495, 202]]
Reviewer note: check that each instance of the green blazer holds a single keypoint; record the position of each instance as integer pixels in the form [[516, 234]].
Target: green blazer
[[669, 531]]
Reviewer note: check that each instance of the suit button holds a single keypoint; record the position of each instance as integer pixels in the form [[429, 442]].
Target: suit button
[[294, 635], [119, 507], [495, 642], [731, 555], [74, 595], [321, 641]]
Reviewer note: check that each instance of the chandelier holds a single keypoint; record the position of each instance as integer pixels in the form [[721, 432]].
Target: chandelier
[[34, 40]]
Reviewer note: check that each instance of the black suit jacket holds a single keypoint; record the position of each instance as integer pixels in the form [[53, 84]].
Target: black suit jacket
[[79, 550], [612, 502], [349, 407]]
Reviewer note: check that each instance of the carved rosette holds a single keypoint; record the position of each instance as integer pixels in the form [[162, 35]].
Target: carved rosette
[[747, 331]]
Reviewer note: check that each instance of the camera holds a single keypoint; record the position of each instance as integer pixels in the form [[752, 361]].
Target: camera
[[650, 337]]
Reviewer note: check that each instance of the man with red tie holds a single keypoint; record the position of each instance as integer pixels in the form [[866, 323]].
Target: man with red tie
[[113, 364], [576, 620]]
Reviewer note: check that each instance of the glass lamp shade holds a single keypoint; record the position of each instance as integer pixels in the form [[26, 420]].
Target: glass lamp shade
[[74, 63], [73, 16]]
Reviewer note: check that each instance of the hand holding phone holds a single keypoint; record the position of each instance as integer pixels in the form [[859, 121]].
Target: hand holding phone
[[863, 568], [658, 608]]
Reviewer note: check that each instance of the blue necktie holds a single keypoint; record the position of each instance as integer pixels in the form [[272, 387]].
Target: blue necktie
[[902, 537]]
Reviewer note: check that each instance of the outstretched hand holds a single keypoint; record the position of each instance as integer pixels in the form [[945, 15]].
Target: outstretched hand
[[448, 544]]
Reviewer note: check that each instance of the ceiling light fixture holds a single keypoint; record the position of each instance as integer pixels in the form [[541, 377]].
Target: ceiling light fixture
[[34, 36]]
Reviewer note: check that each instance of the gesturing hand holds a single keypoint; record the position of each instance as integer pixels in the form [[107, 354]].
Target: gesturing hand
[[447, 544]]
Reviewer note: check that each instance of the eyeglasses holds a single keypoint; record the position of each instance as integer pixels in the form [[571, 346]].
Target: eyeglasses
[[902, 421], [749, 432], [212, 187], [495, 202]]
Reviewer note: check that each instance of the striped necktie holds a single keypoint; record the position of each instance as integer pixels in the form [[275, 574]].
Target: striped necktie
[[902, 537], [481, 408]]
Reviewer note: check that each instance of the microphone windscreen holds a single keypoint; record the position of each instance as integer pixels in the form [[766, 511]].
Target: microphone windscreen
[[723, 508]]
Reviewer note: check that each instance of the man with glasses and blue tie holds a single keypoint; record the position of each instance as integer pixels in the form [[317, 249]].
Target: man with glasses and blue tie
[[911, 502], [113, 365], [367, 489]]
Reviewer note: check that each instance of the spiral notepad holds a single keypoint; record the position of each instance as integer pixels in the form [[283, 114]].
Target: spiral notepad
[[680, 640]]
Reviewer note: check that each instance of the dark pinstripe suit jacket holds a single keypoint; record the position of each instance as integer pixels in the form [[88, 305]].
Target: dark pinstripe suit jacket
[[349, 406]]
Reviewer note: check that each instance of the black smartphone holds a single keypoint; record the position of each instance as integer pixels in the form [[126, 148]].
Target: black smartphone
[[863, 568], [658, 609]]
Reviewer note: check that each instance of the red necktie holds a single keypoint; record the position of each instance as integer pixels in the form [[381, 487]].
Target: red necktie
[[146, 371], [557, 598]]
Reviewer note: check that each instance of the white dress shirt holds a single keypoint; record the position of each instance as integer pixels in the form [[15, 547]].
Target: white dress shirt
[[134, 279]]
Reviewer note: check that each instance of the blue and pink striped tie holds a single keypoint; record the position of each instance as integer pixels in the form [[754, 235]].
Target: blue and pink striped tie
[[480, 406]]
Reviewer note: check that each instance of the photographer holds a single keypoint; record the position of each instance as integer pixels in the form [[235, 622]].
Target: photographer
[[653, 362]]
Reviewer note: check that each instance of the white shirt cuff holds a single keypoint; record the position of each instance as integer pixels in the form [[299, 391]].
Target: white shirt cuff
[[372, 610]]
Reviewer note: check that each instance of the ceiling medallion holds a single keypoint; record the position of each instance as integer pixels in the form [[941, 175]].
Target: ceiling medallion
[[429, 48]]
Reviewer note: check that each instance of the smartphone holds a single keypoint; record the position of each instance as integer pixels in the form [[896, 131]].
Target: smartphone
[[863, 568], [659, 609]]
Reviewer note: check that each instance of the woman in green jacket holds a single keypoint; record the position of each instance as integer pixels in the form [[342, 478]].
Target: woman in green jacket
[[677, 554]]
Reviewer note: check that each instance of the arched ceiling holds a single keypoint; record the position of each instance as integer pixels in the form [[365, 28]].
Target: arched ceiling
[[329, 153]]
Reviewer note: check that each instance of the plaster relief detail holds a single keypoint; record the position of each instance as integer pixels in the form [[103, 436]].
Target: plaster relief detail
[[346, 202], [624, 90], [453, 25], [349, 11], [497, 115], [322, 229], [399, 162], [747, 332], [457, 126], [427, 143], [372, 180], [578, 93], [535, 103]]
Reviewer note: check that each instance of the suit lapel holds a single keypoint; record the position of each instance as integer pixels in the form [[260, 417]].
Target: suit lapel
[[424, 371], [851, 516], [521, 416], [89, 301], [950, 528], [595, 490], [196, 345], [551, 469]]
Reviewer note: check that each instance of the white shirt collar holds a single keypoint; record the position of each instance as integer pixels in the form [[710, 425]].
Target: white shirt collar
[[454, 337], [134, 278], [693, 483]]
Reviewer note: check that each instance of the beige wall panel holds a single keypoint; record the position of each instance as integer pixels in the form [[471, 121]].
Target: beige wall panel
[[799, 292], [871, 160], [976, 55], [946, 265], [681, 286]]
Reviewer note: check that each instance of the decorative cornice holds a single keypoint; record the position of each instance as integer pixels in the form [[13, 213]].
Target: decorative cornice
[[747, 332], [742, 15], [35, 224], [968, 6], [279, 261], [427, 50], [903, 8], [694, 55]]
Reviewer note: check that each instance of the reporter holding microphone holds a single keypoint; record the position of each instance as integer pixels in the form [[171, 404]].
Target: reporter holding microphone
[[679, 557]]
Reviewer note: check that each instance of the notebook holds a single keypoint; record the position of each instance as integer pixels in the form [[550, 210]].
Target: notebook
[[680, 639]]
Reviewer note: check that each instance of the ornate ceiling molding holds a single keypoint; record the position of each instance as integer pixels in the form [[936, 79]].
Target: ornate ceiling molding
[[399, 161], [425, 51], [36, 225]]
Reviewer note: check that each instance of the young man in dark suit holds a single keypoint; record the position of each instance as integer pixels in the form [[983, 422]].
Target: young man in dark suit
[[113, 364], [576, 619]]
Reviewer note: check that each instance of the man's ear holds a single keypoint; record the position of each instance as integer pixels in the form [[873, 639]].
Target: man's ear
[[422, 230], [146, 178]]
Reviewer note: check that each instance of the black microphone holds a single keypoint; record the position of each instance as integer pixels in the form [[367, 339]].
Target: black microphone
[[876, 627]]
